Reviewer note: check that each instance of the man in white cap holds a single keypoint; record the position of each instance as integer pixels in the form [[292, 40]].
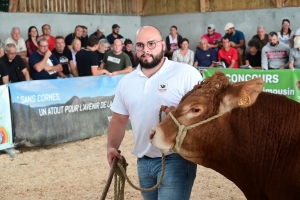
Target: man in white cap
[[99, 32], [237, 41], [212, 36], [294, 56]]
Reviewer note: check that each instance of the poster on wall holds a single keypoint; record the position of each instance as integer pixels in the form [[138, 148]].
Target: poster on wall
[[6, 139], [55, 111]]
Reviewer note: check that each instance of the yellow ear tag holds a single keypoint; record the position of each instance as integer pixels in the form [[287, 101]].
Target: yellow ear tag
[[245, 100]]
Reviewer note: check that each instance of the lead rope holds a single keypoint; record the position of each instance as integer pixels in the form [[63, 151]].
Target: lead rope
[[118, 170]]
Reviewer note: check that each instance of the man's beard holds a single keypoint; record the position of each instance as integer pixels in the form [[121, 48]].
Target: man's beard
[[273, 44], [149, 65]]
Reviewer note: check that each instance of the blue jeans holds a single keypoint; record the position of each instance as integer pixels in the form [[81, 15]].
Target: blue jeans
[[177, 182]]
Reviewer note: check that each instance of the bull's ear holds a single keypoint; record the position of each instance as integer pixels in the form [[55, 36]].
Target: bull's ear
[[249, 92]]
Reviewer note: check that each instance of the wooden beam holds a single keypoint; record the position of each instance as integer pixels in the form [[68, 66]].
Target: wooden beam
[[139, 7], [13, 5], [285, 3], [277, 3], [203, 6], [145, 6]]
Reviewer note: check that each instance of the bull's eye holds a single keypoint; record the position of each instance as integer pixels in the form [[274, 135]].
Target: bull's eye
[[195, 110]]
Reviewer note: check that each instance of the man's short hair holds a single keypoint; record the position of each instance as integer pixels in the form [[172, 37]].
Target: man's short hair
[[13, 28], [103, 42], [127, 41], [46, 25], [41, 39], [92, 41], [272, 33], [9, 46], [260, 26], [225, 38], [254, 43], [84, 27], [78, 26], [75, 40], [59, 37]]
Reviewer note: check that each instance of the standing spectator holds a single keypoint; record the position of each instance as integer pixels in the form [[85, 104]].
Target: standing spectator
[[18, 41], [142, 103], [237, 41], [115, 61], [204, 56], [227, 54], [275, 55], [212, 36], [294, 57], [14, 64], [43, 65], [85, 36], [99, 32], [286, 35], [87, 60], [64, 57], [31, 42], [253, 57], [261, 36], [3, 74], [103, 47], [114, 35], [128, 50], [76, 46], [184, 54], [1, 49], [46, 29], [172, 41], [77, 34]]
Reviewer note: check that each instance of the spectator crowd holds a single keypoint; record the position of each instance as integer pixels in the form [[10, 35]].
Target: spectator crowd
[[78, 54]]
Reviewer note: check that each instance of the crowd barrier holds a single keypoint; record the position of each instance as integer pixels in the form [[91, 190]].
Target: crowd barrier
[[48, 112]]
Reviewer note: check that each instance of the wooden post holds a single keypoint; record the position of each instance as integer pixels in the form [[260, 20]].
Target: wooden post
[[203, 5], [80, 6], [13, 5], [277, 3], [145, 6], [139, 7]]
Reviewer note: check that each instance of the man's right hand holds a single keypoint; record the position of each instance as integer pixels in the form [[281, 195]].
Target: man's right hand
[[48, 53], [111, 153]]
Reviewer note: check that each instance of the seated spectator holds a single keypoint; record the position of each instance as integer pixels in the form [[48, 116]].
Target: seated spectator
[[1, 49], [237, 41], [114, 35], [99, 32], [64, 57], [46, 29], [227, 54], [76, 46], [85, 36], [294, 57], [172, 42], [212, 37], [128, 50], [14, 64], [115, 61], [286, 35], [253, 57], [87, 60], [103, 47], [18, 41], [204, 56], [297, 33], [3, 74], [184, 54], [31, 43], [261, 36], [43, 65], [77, 34], [275, 55]]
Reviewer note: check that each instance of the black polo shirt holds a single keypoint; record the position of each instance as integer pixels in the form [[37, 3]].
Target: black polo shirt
[[3, 72], [69, 39], [100, 57], [14, 68], [85, 59], [64, 59]]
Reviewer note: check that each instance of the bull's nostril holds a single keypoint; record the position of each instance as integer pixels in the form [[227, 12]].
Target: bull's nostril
[[152, 133]]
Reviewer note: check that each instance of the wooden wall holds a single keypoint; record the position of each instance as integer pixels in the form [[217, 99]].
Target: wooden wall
[[144, 7]]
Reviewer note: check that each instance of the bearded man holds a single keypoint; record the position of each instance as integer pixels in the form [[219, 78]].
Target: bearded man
[[275, 55], [156, 81]]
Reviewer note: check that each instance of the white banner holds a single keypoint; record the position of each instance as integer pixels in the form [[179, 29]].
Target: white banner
[[6, 140]]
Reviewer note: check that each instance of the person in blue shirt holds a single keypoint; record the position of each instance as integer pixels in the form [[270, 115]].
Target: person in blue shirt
[[114, 35], [99, 32], [237, 41], [204, 56]]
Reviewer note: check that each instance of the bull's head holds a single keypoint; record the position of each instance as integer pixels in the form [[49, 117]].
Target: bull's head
[[210, 98]]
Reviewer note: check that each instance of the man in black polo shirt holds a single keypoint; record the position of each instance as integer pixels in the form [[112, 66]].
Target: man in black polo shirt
[[87, 59], [103, 47], [77, 33], [114, 35], [3, 74], [14, 64], [64, 56]]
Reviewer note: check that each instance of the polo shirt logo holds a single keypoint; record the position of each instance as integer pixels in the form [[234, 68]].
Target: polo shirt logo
[[162, 87]]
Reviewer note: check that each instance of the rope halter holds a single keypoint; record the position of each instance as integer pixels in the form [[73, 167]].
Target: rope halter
[[182, 130]]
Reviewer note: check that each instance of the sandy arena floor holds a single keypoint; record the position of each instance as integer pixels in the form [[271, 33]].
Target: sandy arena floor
[[79, 170]]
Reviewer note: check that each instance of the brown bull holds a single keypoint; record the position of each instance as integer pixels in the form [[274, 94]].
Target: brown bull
[[249, 136]]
